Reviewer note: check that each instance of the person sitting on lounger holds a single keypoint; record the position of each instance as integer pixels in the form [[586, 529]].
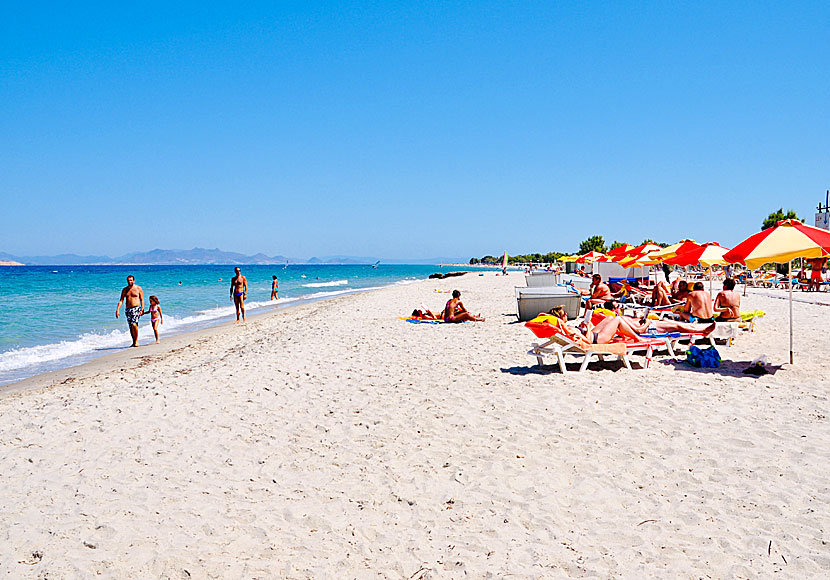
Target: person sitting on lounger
[[454, 311], [599, 292], [728, 303], [698, 305], [681, 292], [660, 296]]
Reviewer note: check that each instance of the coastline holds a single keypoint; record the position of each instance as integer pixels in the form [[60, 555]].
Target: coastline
[[176, 341], [334, 440], [37, 340]]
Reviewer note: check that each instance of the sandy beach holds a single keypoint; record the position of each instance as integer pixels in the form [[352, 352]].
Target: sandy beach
[[333, 440]]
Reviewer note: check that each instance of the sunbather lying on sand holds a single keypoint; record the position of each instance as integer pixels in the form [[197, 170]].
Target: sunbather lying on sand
[[424, 315], [454, 311]]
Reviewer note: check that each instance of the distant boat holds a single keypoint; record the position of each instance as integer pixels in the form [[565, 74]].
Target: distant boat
[[302, 275]]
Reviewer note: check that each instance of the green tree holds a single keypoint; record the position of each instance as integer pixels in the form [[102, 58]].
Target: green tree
[[475, 261], [592, 244], [616, 244], [777, 216], [650, 241]]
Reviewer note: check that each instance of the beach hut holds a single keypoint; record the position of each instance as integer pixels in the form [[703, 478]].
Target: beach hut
[[783, 242]]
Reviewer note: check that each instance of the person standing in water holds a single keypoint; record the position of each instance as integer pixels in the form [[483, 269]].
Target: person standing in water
[[239, 291], [275, 289], [132, 296]]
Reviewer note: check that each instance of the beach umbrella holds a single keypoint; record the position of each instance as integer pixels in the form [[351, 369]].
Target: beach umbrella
[[706, 255], [620, 251], [589, 258], [568, 259], [680, 247], [781, 243]]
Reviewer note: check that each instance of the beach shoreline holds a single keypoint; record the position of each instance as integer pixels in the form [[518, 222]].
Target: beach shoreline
[[335, 440], [169, 342]]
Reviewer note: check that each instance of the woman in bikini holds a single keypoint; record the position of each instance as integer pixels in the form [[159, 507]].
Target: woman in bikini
[[454, 311], [601, 333], [607, 328]]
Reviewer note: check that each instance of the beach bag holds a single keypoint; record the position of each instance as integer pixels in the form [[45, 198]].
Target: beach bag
[[707, 359]]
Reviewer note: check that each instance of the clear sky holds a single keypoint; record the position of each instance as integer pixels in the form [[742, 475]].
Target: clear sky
[[407, 129]]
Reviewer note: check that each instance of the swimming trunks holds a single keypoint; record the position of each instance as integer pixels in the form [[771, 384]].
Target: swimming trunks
[[133, 314], [701, 320], [240, 293], [596, 336]]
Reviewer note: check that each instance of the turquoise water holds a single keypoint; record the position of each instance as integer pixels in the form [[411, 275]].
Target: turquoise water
[[57, 316]]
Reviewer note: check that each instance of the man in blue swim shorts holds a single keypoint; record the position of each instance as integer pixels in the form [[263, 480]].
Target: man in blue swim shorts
[[133, 298]]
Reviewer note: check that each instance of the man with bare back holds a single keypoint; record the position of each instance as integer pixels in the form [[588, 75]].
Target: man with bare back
[[699, 306], [728, 303], [239, 291], [133, 298]]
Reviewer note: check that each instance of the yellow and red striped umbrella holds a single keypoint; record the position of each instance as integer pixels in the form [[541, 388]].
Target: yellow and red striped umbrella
[[589, 258], [680, 247], [781, 243], [706, 255]]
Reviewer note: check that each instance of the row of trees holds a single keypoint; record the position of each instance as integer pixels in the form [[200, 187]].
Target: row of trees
[[597, 244]]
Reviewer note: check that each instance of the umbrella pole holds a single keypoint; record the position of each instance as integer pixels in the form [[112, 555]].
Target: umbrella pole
[[791, 309]]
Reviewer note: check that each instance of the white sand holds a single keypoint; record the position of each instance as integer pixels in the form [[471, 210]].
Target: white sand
[[335, 441]]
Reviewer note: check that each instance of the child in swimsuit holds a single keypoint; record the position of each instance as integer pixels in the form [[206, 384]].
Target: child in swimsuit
[[156, 317]]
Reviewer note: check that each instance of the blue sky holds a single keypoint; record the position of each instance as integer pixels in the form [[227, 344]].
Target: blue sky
[[407, 130]]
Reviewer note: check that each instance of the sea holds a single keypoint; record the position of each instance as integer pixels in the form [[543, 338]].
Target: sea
[[53, 317]]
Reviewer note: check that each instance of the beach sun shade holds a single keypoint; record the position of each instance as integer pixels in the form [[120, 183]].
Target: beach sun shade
[[638, 256], [573, 258], [781, 243], [620, 251], [680, 247], [645, 249], [589, 258], [660, 254], [706, 255]]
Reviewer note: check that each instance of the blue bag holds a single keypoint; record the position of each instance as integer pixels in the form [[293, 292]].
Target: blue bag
[[709, 358]]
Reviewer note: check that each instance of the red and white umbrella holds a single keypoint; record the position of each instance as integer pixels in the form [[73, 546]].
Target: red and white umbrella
[[781, 243]]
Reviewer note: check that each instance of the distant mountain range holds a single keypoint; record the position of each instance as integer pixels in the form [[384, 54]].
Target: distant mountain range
[[198, 256]]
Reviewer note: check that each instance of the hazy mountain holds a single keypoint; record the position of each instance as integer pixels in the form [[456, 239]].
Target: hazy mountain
[[206, 256], [59, 260], [196, 256]]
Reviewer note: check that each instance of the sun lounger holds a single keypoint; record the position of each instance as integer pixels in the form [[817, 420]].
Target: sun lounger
[[558, 345]]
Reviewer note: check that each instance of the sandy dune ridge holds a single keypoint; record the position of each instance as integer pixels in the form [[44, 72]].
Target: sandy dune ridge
[[334, 440]]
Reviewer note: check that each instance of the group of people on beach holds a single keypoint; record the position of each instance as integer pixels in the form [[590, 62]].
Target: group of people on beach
[[454, 311], [132, 297], [693, 304], [697, 311]]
